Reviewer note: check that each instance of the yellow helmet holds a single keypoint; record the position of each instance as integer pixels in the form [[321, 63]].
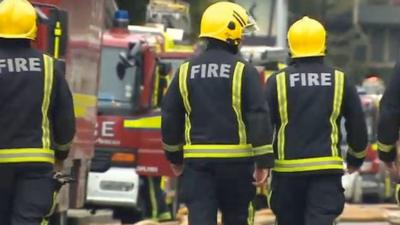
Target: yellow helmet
[[17, 19], [226, 21], [307, 38]]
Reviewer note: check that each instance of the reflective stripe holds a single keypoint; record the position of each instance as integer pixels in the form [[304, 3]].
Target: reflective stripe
[[154, 97], [337, 104], [358, 155], [152, 122], [310, 164], [217, 151], [153, 199], [57, 37], [237, 101], [26, 155], [48, 83], [283, 113], [164, 216], [384, 147], [261, 150], [172, 148], [183, 73], [250, 216]]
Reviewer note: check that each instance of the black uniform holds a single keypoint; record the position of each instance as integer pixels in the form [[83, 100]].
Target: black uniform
[[36, 114], [308, 100], [214, 117], [389, 122]]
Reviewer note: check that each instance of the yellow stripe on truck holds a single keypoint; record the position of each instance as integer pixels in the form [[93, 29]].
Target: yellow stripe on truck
[[153, 122]]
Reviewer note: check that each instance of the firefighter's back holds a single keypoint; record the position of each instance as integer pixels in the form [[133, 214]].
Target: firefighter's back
[[209, 83], [23, 99], [312, 115]]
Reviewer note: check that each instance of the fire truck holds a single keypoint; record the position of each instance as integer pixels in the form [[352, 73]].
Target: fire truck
[[128, 143], [72, 35]]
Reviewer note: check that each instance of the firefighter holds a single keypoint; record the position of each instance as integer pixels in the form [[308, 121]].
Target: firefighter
[[308, 100], [36, 117], [215, 123], [388, 127]]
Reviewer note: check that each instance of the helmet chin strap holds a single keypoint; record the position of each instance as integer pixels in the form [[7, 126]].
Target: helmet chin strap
[[234, 45]]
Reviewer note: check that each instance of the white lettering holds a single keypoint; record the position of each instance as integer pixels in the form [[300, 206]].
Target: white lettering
[[10, 64], [2, 65], [203, 70], [107, 129], [195, 69], [313, 79], [20, 65], [294, 77], [34, 64], [326, 79], [225, 70], [212, 70]]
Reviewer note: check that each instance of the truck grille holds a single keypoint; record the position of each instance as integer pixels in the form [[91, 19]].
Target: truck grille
[[101, 161]]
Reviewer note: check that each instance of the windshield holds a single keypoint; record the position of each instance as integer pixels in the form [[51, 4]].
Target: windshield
[[112, 88]]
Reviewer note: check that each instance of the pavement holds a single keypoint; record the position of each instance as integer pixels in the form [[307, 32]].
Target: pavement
[[352, 215]]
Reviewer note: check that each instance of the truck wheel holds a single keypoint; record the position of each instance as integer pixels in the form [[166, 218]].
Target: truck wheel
[[127, 215]]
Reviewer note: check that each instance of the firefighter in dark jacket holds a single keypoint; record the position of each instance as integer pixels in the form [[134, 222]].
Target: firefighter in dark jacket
[[215, 123], [36, 117], [308, 100], [388, 127]]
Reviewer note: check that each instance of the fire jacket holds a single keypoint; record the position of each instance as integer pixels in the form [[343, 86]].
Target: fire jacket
[[214, 110], [36, 109], [308, 100], [389, 120]]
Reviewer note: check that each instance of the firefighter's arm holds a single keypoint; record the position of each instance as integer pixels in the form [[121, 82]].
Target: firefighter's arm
[[63, 116], [355, 124], [389, 121], [256, 116], [173, 123]]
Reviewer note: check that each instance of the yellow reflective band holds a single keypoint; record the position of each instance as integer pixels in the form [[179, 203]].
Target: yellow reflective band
[[237, 101], [48, 83], [262, 150], [172, 148], [310, 164], [154, 99], [217, 147], [153, 199], [164, 216], [384, 147], [183, 73], [19, 155], [250, 216], [283, 113], [217, 151], [358, 155], [153, 122], [53, 205], [337, 104], [57, 35]]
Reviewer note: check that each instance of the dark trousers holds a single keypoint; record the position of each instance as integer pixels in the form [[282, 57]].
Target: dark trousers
[[209, 186], [155, 206], [307, 200], [26, 193]]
